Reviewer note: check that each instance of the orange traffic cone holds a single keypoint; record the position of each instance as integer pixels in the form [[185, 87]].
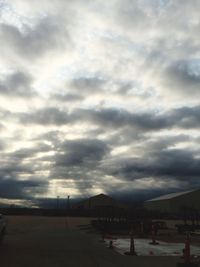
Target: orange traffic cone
[[153, 230], [132, 246], [187, 256], [111, 244]]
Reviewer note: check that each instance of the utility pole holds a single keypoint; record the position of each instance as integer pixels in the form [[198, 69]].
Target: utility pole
[[68, 202], [58, 198]]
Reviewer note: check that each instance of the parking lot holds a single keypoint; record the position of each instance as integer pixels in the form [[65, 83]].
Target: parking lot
[[57, 241]]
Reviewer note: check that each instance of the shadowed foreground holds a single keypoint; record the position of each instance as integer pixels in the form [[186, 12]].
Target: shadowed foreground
[[44, 241]]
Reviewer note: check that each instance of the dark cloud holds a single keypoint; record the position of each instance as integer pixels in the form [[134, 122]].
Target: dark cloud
[[161, 143], [21, 177], [12, 167], [46, 116], [79, 160], [185, 117], [17, 84], [13, 189], [9, 171], [134, 89], [106, 117], [90, 85], [138, 196], [176, 164], [130, 14], [2, 144], [80, 152], [183, 76], [53, 137], [67, 97], [34, 41], [31, 152], [22, 162], [120, 118]]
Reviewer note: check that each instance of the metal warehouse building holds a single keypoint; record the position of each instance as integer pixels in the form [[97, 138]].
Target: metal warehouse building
[[175, 202], [99, 201]]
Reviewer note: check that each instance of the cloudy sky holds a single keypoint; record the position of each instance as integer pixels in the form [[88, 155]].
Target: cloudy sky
[[98, 96]]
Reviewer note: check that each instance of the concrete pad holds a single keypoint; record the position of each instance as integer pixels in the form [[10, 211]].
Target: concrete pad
[[144, 248]]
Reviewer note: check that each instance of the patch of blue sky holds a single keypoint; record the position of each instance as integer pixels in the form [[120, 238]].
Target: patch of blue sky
[[132, 47], [154, 8], [154, 4], [193, 68]]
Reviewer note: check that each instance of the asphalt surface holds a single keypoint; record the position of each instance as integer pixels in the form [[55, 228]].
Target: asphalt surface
[[59, 242]]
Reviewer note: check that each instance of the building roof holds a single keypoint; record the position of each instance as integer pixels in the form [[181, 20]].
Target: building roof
[[170, 196], [96, 197], [100, 200]]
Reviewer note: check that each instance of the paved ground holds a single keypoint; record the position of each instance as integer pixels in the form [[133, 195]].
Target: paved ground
[[58, 242]]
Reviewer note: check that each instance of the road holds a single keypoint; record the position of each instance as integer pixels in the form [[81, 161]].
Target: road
[[58, 242]]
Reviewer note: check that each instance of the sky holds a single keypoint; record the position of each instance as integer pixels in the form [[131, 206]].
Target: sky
[[98, 97]]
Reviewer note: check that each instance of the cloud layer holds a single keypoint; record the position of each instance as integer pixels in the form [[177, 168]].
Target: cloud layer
[[99, 97]]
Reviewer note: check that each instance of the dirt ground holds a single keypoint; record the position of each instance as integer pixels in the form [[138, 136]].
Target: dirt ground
[[58, 242]]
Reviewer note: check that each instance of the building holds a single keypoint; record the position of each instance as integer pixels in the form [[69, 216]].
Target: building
[[175, 202], [98, 202]]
